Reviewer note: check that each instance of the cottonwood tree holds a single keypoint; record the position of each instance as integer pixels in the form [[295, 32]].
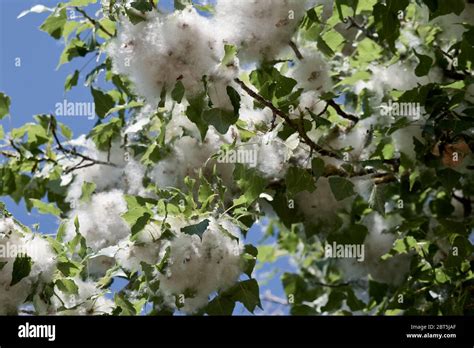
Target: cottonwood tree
[[335, 122]]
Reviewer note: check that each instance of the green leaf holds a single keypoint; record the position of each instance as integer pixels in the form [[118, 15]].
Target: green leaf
[[2, 264], [103, 102], [221, 119], [250, 257], [164, 261], [61, 231], [341, 187], [2, 132], [138, 214], [388, 151], [66, 131], [229, 55], [194, 113], [334, 301], [80, 3], [21, 268], [142, 5], [248, 294], [45, 208], [424, 66], [125, 306], [71, 81], [87, 189], [67, 286], [54, 24], [197, 229], [234, 97], [324, 47], [36, 134], [386, 19], [153, 154], [103, 134], [353, 302], [250, 182], [132, 105], [317, 166], [320, 121], [449, 178], [4, 105], [298, 180], [377, 291], [178, 92], [220, 305]]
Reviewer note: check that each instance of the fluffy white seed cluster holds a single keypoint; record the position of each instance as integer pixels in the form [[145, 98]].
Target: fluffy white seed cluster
[[14, 240], [378, 242], [89, 300], [259, 28], [100, 220], [197, 266], [123, 174], [157, 53], [312, 72], [320, 206], [202, 266], [185, 46]]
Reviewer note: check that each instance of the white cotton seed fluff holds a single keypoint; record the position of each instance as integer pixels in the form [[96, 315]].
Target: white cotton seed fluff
[[403, 140], [272, 154], [189, 155], [146, 247], [155, 54], [202, 267], [377, 243], [126, 175], [320, 206], [399, 76], [259, 28], [13, 240], [356, 139], [254, 118], [100, 220], [311, 100], [89, 300], [312, 73]]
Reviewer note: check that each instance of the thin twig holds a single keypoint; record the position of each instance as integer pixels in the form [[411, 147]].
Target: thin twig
[[288, 120], [73, 152], [341, 112], [296, 50], [93, 21]]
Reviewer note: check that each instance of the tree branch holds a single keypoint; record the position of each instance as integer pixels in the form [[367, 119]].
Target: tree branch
[[341, 112], [93, 21], [314, 147], [296, 50], [73, 152]]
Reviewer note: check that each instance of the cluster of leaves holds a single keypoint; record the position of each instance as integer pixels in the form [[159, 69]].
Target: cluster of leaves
[[32, 168]]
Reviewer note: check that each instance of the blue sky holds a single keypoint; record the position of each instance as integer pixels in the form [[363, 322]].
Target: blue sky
[[36, 86]]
